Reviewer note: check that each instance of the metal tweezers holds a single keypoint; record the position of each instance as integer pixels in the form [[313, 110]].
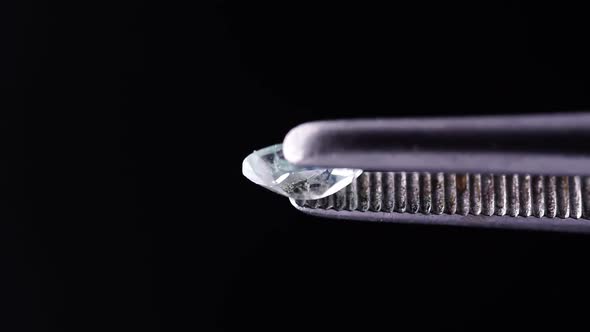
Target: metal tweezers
[[525, 171]]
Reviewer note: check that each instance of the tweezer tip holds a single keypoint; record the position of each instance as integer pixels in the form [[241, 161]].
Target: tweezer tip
[[300, 137]]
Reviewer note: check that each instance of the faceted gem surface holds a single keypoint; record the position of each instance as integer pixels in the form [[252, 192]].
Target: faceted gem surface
[[269, 168]]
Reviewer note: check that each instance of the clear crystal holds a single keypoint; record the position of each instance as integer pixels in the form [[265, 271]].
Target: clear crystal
[[269, 168]]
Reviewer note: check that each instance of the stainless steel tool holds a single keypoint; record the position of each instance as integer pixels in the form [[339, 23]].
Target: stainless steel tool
[[529, 171]]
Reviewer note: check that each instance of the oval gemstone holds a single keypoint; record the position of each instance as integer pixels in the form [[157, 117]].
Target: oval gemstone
[[269, 168]]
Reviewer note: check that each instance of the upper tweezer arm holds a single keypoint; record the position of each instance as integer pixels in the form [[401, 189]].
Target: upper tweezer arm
[[538, 144]]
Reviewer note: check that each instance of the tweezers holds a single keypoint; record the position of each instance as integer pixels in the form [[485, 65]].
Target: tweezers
[[519, 172]]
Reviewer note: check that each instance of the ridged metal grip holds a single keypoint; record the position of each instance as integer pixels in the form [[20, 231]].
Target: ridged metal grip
[[463, 194]]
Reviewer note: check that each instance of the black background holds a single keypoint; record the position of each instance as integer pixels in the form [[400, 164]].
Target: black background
[[131, 120]]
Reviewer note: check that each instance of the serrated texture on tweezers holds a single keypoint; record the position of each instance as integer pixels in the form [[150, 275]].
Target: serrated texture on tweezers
[[507, 201]]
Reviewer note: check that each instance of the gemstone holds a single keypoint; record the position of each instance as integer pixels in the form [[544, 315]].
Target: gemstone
[[269, 168]]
